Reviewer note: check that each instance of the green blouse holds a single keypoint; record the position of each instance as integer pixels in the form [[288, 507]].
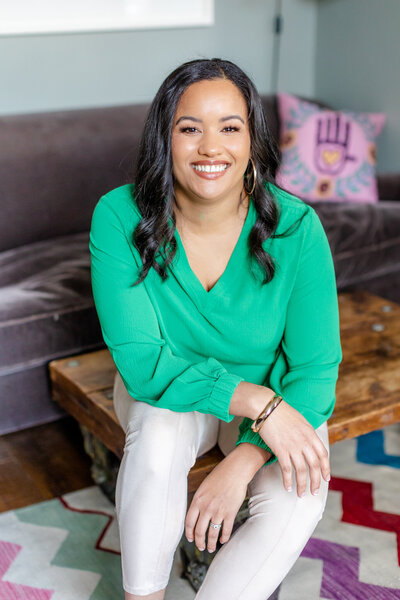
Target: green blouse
[[180, 347]]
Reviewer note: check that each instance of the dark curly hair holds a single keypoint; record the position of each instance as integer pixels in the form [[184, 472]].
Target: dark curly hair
[[154, 186]]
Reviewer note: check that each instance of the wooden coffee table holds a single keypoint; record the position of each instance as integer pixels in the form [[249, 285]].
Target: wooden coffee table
[[367, 391]]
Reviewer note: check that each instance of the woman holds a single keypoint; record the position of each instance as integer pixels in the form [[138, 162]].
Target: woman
[[216, 294]]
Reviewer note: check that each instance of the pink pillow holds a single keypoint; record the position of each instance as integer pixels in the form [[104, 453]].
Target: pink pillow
[[326, 154]]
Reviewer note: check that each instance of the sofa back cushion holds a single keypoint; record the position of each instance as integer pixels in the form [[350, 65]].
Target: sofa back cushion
[[55, 166]]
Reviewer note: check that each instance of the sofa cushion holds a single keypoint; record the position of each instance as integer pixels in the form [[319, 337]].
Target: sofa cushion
[[46, 303], [365, 243], [326, 154], [54, 166]]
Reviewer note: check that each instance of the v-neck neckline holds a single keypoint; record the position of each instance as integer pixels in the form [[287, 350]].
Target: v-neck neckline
[[189, 278]]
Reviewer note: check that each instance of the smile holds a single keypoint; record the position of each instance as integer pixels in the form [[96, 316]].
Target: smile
[[210, 168], [210, 171]]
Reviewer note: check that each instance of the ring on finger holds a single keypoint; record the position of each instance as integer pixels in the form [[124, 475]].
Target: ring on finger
[[215, 526]]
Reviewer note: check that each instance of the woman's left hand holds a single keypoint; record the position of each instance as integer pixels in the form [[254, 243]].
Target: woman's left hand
[[218, 498]]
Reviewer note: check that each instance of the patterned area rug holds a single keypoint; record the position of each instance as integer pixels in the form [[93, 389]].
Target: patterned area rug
[[68, 548]]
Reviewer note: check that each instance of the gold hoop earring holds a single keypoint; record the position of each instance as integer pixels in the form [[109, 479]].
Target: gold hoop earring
[[254, 178]]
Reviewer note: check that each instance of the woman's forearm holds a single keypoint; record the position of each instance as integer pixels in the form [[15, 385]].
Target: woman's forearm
[[251, 457], [249, 399]]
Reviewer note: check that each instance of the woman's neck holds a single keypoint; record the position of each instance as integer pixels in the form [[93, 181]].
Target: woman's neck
[[211, 219]]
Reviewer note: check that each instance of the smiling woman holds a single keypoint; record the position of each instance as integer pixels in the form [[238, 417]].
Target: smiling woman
[[216, 294], [216, 148]]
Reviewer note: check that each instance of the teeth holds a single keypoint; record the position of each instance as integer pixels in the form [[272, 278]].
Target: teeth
[[210, 168]]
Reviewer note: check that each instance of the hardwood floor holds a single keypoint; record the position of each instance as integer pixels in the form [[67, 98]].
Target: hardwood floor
[[41, 463]]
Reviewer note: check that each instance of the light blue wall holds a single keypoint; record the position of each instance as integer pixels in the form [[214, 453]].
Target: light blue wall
[[52, 72], [357, 55], [297, 63]]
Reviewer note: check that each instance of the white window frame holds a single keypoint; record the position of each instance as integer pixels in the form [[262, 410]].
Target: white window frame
[[25, 17]]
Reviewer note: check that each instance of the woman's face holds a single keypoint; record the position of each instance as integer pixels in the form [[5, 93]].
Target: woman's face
[[210, 141]]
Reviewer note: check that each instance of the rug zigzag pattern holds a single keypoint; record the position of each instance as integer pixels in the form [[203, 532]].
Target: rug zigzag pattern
[[69, 547], [347, 585], [371, 450], [385, 480], [59, 551], [377, 548], [357, 503], [354, 549], [83, 501], [17, 591]]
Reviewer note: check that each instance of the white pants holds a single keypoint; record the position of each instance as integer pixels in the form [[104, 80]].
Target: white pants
[[151, 504]]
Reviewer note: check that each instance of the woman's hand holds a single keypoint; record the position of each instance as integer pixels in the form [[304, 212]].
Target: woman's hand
[[218, 498], [291, 437]]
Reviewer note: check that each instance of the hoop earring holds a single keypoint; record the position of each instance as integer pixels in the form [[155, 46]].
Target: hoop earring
[[246, 177]]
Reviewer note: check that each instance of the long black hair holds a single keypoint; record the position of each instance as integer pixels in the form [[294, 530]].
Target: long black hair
[[154, 184]]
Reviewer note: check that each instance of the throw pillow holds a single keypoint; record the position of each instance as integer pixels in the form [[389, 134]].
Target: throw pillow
[[327, 154]]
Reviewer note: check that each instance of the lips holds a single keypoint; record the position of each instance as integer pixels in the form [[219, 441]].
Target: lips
[[210, 169]]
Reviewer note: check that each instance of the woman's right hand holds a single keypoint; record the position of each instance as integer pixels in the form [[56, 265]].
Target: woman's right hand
[[293, 440]]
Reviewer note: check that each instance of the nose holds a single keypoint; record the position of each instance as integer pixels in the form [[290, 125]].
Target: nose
[[209, 144]]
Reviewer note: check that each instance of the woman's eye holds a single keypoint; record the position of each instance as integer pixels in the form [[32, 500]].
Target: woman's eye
[[229, 129]]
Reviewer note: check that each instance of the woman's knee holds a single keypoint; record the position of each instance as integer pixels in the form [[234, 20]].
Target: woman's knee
[[160, 439], [268, 497], [314, 506]]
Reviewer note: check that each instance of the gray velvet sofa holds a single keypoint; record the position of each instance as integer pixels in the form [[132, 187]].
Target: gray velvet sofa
[[53, 169]]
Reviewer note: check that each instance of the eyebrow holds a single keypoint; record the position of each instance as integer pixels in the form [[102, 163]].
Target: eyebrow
[[186, 117]]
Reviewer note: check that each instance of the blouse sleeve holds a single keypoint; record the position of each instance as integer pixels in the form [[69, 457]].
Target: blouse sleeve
[[148, 367], [306, 369]]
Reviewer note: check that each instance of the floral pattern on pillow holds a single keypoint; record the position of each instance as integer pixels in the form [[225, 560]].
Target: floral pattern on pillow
[[326, 154]]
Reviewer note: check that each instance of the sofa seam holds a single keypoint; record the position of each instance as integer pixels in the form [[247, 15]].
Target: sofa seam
[[45, 315]]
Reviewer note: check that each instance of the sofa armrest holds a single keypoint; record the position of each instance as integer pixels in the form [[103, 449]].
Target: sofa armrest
[[389, 186]]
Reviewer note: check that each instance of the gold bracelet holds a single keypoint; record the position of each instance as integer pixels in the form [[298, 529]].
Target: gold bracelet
[[267, 410]]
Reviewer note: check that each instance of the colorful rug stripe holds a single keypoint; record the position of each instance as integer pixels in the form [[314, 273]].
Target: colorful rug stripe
[[371, 450], [68, 548], [16, 591]]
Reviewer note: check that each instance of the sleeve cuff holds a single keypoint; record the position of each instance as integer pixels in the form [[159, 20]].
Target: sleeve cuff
[[221, 395], [255, 438]]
